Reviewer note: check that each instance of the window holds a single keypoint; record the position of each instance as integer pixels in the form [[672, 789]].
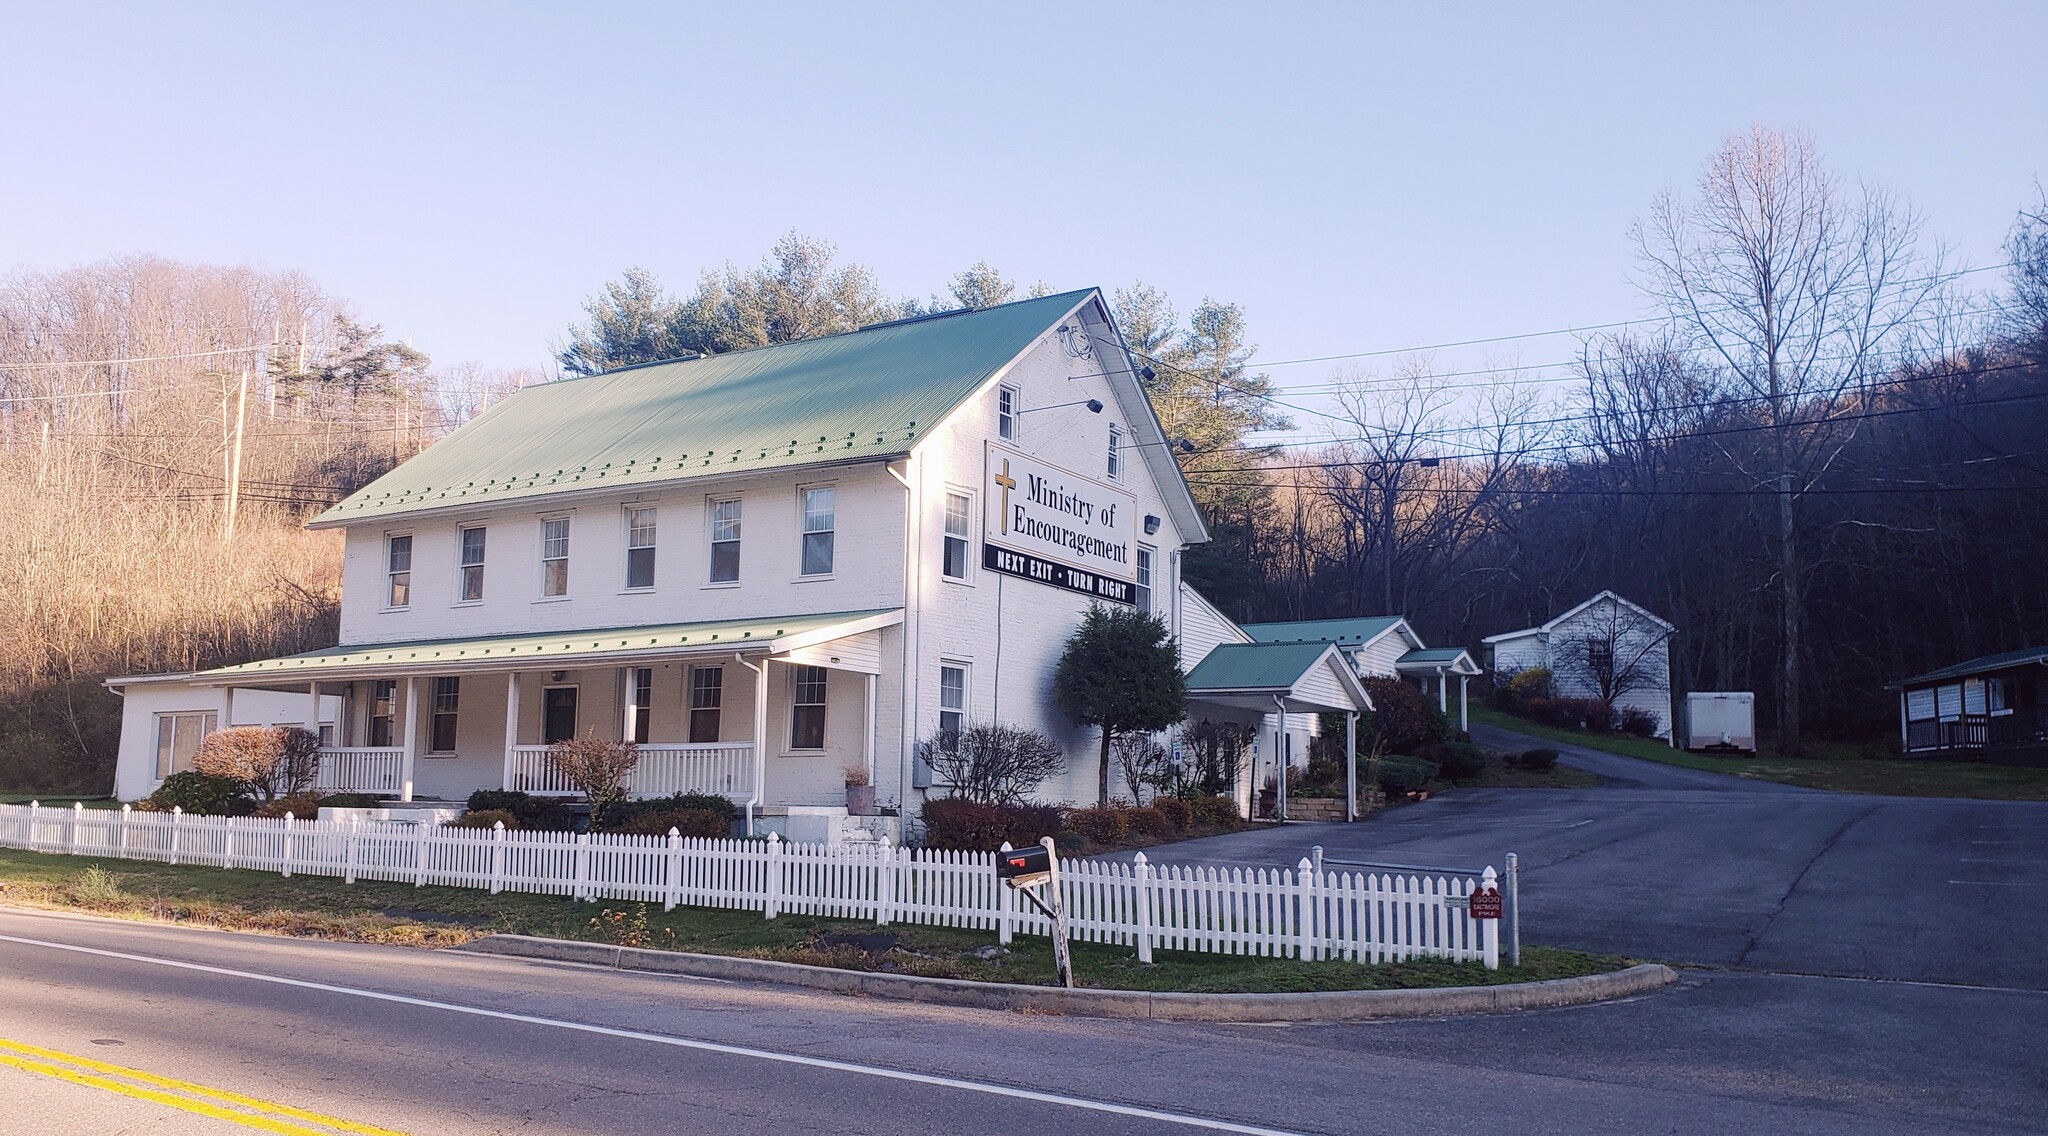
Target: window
[[1600, 657], [1006, 413], [725, 540], [1116, 445], [441, 734], [818, 524], [177, 739], [952, 701], [639, 703], [957, 506], [557, 714], [1973, 696], [1948, 701], [1996, 697], [1920, 704], [383, 711], [398, 567], [472, 562], [640, 548], [1144, 578], [554, 557], [807, 708], [707, 694]]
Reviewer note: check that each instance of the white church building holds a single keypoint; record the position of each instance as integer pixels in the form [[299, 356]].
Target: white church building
[[766, 567]]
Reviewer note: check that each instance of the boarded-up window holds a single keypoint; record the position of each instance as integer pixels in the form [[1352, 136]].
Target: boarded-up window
[[1973, 696], [1920, 704], [1948, 701]]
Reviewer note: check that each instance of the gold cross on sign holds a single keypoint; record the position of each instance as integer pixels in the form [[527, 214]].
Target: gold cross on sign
[[1008, 483]]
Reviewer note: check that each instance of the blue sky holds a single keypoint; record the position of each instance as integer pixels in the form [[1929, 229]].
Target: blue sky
[[1358, 177]]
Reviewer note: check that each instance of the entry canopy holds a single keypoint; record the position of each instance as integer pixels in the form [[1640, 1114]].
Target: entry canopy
[[621, 646], [1308, 678], [1449, 660]]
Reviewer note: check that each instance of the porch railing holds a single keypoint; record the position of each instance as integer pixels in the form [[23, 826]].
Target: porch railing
[[359, 769], [1977, 731], [726, 769]]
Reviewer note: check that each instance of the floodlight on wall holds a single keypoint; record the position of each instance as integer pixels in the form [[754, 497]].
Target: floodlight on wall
[[1151, 524]]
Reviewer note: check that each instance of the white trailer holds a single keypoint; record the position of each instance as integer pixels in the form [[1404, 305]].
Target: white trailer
[[1720, 720]]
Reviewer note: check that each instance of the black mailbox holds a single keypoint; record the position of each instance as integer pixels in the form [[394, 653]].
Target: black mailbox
[[1026, 866]]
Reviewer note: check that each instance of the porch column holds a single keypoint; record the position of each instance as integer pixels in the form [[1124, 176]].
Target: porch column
[[1280, 759], [760, 740], [410, 746], [1443, 693], [313, 710], [867, 741], [1464, 710], [1351, 765], [511, 725]]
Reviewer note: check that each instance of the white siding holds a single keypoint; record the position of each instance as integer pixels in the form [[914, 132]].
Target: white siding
[[1203, 628], [1378, 657]]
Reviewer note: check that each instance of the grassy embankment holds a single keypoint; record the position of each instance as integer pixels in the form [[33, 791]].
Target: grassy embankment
[[1833, 767], [324, 908]]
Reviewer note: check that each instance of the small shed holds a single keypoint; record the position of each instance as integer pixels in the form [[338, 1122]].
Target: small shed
[[1993, 706]]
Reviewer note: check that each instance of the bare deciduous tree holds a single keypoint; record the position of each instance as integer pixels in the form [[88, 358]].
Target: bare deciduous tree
[[993, 764]]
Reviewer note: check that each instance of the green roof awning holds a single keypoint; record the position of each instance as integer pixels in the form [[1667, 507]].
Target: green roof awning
[[1250, 675], [555, 649], [1454, 659], [1347, 632], [865, 395]]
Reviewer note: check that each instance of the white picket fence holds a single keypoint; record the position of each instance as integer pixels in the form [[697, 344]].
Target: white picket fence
[[1279, 912]]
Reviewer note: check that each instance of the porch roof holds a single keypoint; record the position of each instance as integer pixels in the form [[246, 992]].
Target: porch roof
[[1308, 677], [1454, 660], [772, 635], [2003, 661]]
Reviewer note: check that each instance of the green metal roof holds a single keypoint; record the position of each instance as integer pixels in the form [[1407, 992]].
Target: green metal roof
[[1348, 632], [540, 649], [1255, 666], [864, 395], [1433, 655], [2029, 657]]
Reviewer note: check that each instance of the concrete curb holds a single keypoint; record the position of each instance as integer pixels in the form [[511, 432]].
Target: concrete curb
[[1321, 1006]]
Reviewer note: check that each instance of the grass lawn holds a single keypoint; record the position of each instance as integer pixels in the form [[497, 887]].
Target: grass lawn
[[58, 801], [372, 912], [1847, 774]]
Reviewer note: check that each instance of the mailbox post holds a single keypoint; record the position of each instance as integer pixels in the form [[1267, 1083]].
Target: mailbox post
[[1028, 870]]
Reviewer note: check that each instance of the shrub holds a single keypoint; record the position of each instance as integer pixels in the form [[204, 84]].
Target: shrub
[[273, 761], [1521, 688], [992, 764], [955, 822], [1400, 720], [485, 818], [1176, 811], [204, 793], [628, 813], [1142, 761], [1400, 774], [1148, 822], [1459, 760], [302, 806], [1539, 760], [539, 813], [1098, 825], [597, 768], [705, 823], [1219, 812], [1641, 723]]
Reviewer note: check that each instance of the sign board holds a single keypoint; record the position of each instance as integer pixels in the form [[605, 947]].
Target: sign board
[[1485, 904], [1056, 527]]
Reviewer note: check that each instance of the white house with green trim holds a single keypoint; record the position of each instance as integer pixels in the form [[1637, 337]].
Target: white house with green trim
[[766, 567]]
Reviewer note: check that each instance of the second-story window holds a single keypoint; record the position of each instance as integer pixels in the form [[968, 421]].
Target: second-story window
[[1144, 578], [957, 506], [1006, 413], [1116, 455], [398, 570], [554, 557], [640, 548], [819, 521], [472, 561], [725, 540]]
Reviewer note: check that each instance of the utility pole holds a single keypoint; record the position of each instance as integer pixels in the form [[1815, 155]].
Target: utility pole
[[235, 455]]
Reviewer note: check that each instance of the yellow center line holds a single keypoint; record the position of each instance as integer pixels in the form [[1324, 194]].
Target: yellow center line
[[221, 1104]]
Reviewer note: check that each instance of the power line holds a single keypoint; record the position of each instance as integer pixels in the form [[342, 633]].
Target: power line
[[53, 364]]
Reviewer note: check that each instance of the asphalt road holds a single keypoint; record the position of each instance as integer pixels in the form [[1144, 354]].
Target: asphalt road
[[1844, 985], [454, 1043]]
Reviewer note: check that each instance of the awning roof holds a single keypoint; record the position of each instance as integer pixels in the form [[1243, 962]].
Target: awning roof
[[1983, 663], [772, 635], [1307, 677], [1456, 660]]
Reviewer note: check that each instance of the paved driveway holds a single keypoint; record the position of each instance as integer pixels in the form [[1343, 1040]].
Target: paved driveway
[[1686, 866]]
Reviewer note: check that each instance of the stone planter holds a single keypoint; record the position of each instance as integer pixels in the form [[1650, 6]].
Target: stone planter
[[860, 800]]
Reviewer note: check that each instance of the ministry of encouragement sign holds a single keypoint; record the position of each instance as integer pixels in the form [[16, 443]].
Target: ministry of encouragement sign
[[1057, 527]]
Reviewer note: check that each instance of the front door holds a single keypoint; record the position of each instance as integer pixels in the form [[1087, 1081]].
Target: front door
[[558, 717]]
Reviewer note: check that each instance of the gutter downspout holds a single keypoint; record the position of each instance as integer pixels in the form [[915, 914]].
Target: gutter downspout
[[760, 734], [913, 628]]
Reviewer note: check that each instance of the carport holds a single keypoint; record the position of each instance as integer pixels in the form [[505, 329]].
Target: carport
[[1273, 680]]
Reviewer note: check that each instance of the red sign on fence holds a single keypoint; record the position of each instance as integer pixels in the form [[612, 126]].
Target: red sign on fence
[[1485, 904]]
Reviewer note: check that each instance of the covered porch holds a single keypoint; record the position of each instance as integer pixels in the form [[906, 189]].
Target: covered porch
[[1262, 684], [1433, 669], [708, 706]]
